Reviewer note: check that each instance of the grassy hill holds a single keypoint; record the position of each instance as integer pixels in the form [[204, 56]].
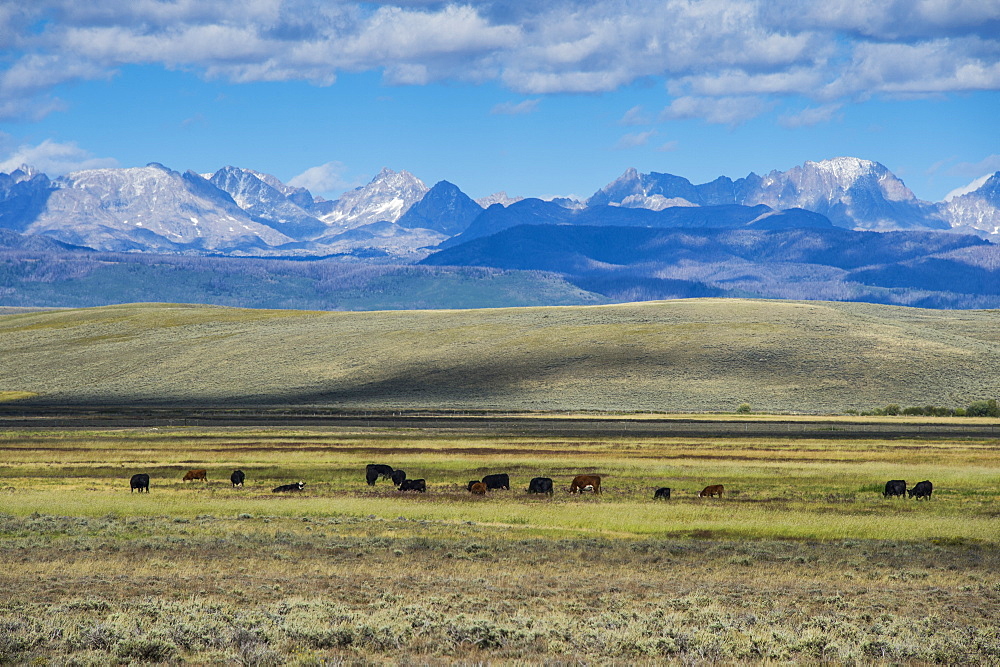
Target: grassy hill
[[689, 355]]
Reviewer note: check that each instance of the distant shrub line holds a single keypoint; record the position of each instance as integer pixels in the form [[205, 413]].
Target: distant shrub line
[[988, 408]]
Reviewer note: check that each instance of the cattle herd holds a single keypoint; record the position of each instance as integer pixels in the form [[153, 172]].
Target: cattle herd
[[501, 481], [897, 487]]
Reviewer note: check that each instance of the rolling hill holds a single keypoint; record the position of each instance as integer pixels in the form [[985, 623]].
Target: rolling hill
[[689, 355]]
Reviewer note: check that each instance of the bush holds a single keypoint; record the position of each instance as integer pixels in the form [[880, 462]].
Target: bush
[[744, 409], [983, 409]]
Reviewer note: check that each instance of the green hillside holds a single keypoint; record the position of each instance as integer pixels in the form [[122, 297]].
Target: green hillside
[[688, 355]]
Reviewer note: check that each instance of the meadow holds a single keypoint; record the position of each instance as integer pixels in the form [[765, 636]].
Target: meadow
[[802, 560], [693, 355]]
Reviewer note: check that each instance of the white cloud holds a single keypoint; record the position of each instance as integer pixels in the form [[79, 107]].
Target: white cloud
[[326, 179], [730, 111], [966, 189], [635, 139], [828, 51], [668, 147], [810, 116], [637, 115], [53, 158], [515, 109]]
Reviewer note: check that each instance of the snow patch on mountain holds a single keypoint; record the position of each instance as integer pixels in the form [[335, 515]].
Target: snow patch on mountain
[[386, 198]]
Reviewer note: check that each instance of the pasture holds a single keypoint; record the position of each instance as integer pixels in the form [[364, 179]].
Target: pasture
[[802, 559]]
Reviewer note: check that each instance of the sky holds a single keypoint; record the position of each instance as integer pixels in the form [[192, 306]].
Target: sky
[[540, 99]]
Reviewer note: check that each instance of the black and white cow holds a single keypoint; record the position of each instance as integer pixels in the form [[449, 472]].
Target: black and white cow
[[237, 478], [285, 488]]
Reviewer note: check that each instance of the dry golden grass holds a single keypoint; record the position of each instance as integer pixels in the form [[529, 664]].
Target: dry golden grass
[[691, 355], [802, 561]]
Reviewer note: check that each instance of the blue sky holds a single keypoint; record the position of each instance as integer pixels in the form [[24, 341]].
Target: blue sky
[[537, 99]]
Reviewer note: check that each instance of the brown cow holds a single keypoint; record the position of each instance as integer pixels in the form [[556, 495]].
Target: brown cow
[[478, 489], [196, 474], [713, 490], [581, 482]]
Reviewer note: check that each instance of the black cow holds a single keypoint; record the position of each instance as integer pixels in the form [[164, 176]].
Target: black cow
[[540, 485], [498, 481], [471, 483], [413, 485], [376, 470], [397, 477], [662, 492], [139, 481], [922, 490], [237, 478], [895, 487], [284, 488]]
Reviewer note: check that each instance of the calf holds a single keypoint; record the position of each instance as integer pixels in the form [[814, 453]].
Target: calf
[[237, 478], [581, 482], [472, 482], [285, 488], [922, 490], [895, 487], [139, 481], [713, 490], [498, 481], [413, 485], [478, 489], [663, 492], [196, 474], [375, 470], [540, 485]]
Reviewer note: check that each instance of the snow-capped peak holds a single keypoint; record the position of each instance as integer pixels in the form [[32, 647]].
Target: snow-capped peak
[[971, 187]]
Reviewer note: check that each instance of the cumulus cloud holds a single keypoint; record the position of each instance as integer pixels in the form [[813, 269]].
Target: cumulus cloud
[[829, 51], [51, 157], [515, 109], [326, 179]]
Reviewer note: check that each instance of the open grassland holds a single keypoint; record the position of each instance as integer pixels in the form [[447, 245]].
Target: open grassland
[[802, 560], [691, 355]]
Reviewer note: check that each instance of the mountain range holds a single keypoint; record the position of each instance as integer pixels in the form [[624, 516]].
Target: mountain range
[[238, 211], [845, 229]]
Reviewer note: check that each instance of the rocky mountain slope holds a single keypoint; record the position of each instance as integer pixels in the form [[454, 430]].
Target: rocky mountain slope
[[395, 217]]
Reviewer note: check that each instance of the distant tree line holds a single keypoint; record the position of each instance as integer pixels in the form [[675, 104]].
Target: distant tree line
[[987, 408]]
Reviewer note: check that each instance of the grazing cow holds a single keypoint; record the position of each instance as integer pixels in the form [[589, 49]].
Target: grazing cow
[[922, 490], [196, 474], [581, 482], [540, 485], [498, 481], [472, 483], [376, 470], [663, 492], [713, 490], [895, 487], [139, 481], [413, 485], [478, 489], [397, 477], [285, 488], [237, 478]]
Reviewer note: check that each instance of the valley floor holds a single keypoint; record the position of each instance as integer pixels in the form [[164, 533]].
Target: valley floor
[[802, 560]]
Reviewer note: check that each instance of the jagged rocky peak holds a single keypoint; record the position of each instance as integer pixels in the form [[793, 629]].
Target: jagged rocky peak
[[843, 174], [976, 206], [386, 198]]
